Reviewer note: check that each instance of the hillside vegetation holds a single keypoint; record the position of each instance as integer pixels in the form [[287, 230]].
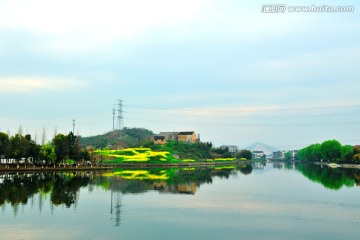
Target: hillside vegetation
[[127, 137]]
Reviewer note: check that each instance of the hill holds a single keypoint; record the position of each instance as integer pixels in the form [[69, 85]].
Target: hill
[[127, 137], [258, 146]]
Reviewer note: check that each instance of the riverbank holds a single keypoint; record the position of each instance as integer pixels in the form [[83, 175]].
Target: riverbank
[[334, 165], [32, 168]]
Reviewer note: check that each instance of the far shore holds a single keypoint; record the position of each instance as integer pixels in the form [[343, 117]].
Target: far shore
[[49, 168], [105, 167]]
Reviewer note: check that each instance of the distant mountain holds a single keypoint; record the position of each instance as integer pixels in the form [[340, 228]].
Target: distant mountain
[[258, 146]]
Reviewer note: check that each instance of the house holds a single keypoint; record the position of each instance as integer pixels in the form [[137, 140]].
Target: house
[[189, 137], [278, 154], [169, 136], [258, 154], [232, 148], [159, 140], [118, 146]]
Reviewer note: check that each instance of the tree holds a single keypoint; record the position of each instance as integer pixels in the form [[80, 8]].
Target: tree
[[5, 146], [288, 156], [356, 157], [331, 150], [315, 152], [74, 147], [61, 147], [18, 146], [33, 149], [244, 154], [347, 153], [47, 153]]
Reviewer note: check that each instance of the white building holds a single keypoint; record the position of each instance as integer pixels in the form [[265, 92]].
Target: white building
[[232, 148]]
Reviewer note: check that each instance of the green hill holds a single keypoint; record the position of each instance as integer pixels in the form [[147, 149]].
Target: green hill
[[127, 137]]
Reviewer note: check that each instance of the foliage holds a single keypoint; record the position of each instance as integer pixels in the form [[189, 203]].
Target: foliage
[[47, 153], [244, 154], [330, 150], [127, 137], [196, 151], [347, 153], [288, 156], [5, 145], [21, 147], [61, 147]]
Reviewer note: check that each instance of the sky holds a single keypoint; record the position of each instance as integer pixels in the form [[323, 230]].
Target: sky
[[222, 68]]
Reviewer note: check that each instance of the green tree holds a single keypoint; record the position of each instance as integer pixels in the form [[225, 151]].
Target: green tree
[[331, 150], [47, 153], [19, 147], [61, 148], [347, 153], [74, 147], [288, 156], [356, 157], [5, 146], [244, 154], [32, 150], [315, 152]]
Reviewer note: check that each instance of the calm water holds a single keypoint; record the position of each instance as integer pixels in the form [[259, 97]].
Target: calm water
[[275, 201]]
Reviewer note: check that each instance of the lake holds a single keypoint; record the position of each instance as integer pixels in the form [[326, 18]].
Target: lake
[[258, 201]]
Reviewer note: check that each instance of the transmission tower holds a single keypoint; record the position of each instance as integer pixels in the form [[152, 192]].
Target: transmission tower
[[120, 122]]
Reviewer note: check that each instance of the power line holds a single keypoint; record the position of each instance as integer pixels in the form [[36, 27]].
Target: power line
[[248, 124]]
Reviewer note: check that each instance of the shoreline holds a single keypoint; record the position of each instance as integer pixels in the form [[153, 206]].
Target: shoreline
[[16, 168], [335, 165]]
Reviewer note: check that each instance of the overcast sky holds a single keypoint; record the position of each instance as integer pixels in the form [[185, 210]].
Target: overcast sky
[[221, 68]]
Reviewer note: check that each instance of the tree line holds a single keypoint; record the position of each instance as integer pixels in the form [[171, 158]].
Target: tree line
[[330, 150], [62, 148]]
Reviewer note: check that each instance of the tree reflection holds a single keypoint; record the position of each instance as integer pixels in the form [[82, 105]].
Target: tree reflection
[[63, 188], [17, 189], [330, 178]]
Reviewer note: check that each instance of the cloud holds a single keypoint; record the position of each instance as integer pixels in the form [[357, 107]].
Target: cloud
[[31, 84], [83, 24]]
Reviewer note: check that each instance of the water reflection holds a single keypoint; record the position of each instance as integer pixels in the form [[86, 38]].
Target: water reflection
[[329, 177], [62, 189]]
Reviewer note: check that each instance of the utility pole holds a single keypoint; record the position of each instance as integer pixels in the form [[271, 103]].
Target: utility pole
[[120, 122], [113, 119], [73, 126]]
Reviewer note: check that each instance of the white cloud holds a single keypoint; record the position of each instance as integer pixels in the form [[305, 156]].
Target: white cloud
[[83, 25], [89, 23], [30, 84]]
